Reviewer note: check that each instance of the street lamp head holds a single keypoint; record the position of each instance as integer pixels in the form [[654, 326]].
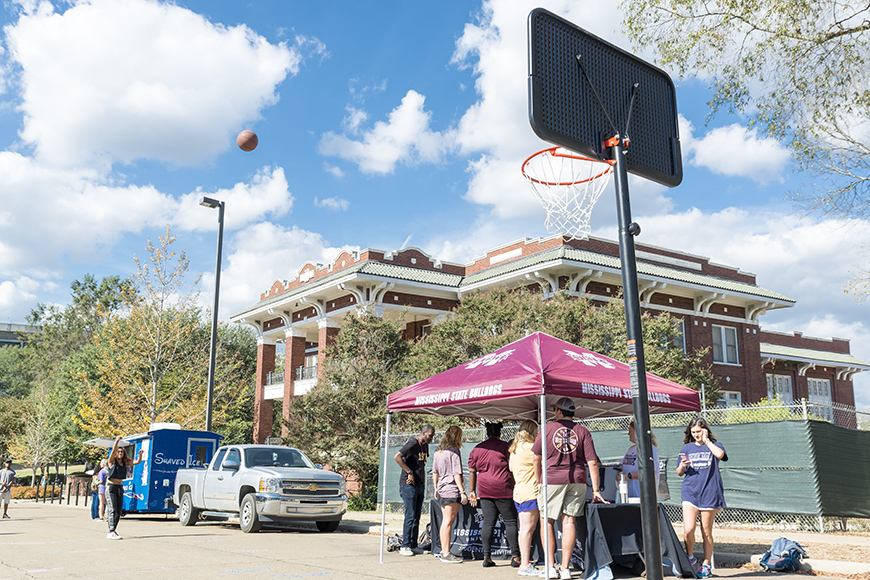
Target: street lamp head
[[209, 202]]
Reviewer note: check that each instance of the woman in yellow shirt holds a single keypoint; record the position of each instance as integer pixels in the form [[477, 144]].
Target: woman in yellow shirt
[[525, 491]]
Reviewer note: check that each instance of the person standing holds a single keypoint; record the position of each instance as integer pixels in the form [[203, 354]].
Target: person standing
[[522, 465], [629, 462], [412, 486], [449, 490], [702, 491], [7, 478], [101, 490], [569, 450], [117, 465], [491, 483], [95, 487]]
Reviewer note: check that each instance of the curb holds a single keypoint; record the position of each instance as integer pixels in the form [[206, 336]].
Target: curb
[[830, 566]]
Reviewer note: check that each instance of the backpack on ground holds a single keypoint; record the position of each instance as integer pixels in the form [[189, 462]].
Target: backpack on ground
[[784, 555], [425, 542], [394, 542]]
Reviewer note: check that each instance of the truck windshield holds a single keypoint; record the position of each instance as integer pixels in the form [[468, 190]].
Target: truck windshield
[[276, 458]]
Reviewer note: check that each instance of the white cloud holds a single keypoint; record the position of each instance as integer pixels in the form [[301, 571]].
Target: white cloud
[[734, 151], [251, 263], [119, 80], [333, 170], [16, 296], [332, 203], [266, 194], [404, 138]]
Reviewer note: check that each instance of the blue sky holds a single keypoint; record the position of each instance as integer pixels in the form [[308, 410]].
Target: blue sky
[[381, 125]]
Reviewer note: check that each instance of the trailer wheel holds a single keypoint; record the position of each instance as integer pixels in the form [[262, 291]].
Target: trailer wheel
[[187, 514], [248, 518]]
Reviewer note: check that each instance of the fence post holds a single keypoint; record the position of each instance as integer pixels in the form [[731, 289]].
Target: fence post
[[52, 492], [804, 407], [821, 524], [704, 401]]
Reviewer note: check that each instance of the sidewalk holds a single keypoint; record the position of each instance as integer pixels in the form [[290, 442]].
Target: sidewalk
[[370, 523]]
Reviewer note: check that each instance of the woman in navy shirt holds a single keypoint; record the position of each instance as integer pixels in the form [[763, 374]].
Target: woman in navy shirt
[[702, 491]]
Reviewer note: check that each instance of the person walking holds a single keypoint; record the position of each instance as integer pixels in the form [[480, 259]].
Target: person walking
[[117, 465], [569, 450], [449, 489], [491, 484], [101, 490], [702, 491], [412, 486], [7, 479], [522, 465]]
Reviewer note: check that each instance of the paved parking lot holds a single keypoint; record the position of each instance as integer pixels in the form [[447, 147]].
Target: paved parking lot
[[49, 541]]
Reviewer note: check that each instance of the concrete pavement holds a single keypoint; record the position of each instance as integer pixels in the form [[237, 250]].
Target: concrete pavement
[[59, 542]]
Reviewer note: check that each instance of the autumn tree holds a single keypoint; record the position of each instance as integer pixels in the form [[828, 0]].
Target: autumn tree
[[797, 68], [150, 363]]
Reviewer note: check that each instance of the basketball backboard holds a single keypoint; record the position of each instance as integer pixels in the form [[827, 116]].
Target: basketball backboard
[[580, 94]]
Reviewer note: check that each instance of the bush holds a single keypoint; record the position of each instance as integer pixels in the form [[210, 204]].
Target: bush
[[364, 501], [27, 492]]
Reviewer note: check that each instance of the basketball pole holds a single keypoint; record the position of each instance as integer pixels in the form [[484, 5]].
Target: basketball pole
[[637, 367]]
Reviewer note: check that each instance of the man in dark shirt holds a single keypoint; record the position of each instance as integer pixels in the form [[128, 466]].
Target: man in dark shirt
[[412, 486]]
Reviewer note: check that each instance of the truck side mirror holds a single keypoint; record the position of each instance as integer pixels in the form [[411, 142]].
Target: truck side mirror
[[318, 465], [231, 464]]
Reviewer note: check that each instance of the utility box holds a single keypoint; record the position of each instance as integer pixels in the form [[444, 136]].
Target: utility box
[[167, 448]]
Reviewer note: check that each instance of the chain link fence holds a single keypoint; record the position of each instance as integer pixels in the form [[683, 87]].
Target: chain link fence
[[837, 414]]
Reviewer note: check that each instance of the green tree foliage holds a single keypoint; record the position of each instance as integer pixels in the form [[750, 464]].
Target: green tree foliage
[[487, 321], [150, 364], [15, 376], [339, 421], [797, 67]]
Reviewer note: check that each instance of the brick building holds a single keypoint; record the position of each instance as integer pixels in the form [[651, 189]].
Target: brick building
[[719, 306]]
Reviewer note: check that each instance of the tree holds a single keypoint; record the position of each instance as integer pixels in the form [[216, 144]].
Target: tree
[[150, 363], [797, 67], [486, 321], [15, 377], [42, 438], [339, 421]]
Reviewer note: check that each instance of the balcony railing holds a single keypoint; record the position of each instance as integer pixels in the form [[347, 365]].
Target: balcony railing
[[275, 378], [303, 373]]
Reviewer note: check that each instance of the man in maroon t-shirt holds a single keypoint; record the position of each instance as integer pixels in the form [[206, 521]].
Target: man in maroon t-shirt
[[569, 450], [492, 484]]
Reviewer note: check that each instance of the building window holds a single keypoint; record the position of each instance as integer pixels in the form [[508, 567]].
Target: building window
[[819, 395], [779, 386], [725, 344], [730, 399], [680, 339]]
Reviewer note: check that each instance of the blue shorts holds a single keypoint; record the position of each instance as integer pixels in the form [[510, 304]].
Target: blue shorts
[[527, 506]]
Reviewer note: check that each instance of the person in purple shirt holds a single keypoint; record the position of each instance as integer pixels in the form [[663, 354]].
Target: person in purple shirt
[[491, 484], [702, 491]]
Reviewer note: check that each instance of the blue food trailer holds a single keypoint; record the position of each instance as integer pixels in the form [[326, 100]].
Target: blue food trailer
[[167, 448]]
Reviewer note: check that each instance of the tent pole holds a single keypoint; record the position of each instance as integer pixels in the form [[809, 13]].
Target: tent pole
[[384, 484], [545, 532]]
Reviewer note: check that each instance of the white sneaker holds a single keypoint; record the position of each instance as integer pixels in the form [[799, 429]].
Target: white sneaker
[[564, 574], [553, 575], [406, 551], [113, 536]]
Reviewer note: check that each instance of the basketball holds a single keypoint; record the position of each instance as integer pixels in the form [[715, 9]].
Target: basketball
[[247, 140]]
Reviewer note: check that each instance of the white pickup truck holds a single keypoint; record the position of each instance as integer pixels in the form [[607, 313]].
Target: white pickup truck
[[262, 484]]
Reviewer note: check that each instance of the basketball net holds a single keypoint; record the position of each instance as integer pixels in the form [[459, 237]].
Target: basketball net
[[567, 184]]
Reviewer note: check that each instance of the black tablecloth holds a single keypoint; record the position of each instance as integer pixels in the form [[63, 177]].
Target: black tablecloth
[[615, 529]]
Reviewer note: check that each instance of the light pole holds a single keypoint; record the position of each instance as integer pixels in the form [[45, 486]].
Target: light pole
[[219, 205]]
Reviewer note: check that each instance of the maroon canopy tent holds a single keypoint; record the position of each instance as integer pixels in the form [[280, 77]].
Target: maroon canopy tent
[[524, 378], [507, 384]]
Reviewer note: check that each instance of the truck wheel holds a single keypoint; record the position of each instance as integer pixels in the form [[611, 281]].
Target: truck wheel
[[328, 526], [187, 514], [248, 518]]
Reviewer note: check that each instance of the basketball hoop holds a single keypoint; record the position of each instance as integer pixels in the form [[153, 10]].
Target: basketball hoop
[[567, 184]]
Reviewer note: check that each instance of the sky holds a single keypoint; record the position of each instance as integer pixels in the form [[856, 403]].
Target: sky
[[381, 125]]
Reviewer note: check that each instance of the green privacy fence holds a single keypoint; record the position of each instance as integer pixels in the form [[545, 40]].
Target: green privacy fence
[[787, 467]]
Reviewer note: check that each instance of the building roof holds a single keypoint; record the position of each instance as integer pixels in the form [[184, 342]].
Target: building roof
[[566, 253], [809, 355]]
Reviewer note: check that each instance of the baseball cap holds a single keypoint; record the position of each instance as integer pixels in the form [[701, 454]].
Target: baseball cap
[[565, 404], [8, 460]]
